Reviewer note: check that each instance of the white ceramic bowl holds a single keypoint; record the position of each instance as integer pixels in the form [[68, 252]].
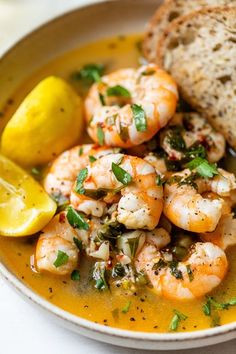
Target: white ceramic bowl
[[65, 33]]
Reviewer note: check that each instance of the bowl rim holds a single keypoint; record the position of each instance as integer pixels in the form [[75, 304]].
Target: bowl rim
[[66, 316]]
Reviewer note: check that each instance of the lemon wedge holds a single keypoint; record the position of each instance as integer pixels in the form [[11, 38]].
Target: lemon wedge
[[48, 121], [25, 208]]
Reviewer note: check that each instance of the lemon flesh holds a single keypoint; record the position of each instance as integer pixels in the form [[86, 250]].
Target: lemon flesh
[[25, 208], [48, 121]]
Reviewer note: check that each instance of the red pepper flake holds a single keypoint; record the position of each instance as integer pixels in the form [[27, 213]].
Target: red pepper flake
[[62, 217]]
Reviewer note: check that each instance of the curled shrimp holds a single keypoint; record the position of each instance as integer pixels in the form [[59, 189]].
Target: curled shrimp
[[199, 274], [110, 114], [193, 129], [139, 203], [224, 235], [186, 208], [64, 169], [57, 236]]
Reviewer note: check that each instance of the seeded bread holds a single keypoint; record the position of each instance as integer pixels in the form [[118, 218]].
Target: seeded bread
[[199, 51], [168, 12]]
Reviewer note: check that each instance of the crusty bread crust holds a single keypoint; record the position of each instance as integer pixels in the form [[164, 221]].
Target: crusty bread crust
[[155, 27], [199, 51], [166, 14]]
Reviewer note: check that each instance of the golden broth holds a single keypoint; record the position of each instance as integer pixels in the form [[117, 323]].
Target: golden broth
[[147, 311]]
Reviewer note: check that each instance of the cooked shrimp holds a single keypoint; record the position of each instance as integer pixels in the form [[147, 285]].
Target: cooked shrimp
[[110, 114], [224, 235], [64, 168], [57, 236], [157, 162], [198, 275], [140, 201], [185, 207], [193, 129]]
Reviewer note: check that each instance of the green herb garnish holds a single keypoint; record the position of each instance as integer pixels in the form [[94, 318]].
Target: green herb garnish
[[100, 135], [189, 272], [206, 308], [80, 180], [78, 243], [126, 308], [90, 73], [173, 265], [223, 305], [100, 275], [139, 118], [196, 150], [80, 151], [76, 220], [203, 167], [176, 140], [159, 265], [102, 99], [159, 180], [92, 158], [118, 270], [118, 91], [121, 175], [75, 275], [62, 258], [177, 318]]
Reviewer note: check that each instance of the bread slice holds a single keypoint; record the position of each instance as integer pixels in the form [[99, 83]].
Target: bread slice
[[199, 51], [166, 13]]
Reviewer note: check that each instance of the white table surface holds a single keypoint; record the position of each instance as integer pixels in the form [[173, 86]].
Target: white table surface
[[23, 329]]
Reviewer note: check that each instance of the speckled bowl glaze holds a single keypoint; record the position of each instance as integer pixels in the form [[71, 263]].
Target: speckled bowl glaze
[[74, 29]]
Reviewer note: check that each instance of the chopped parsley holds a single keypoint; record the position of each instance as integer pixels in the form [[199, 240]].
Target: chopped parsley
[[80, 180], [62, 258], [177, 318], [126, 308], [80, 151], [78, 243], [121, 175], [159, 180], [133, 245], [211, 308], [159, 265], [196, 150], [102, 99], [176, 140], [76, 220], [100, 275], [118, 270], [189, 272], [92, 158], [203, 167], [173, 265], [206, 308], [100, 135], [90, 73], [221, 306], [118, 91], [75, 275], [190, 180], [139, 118]]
